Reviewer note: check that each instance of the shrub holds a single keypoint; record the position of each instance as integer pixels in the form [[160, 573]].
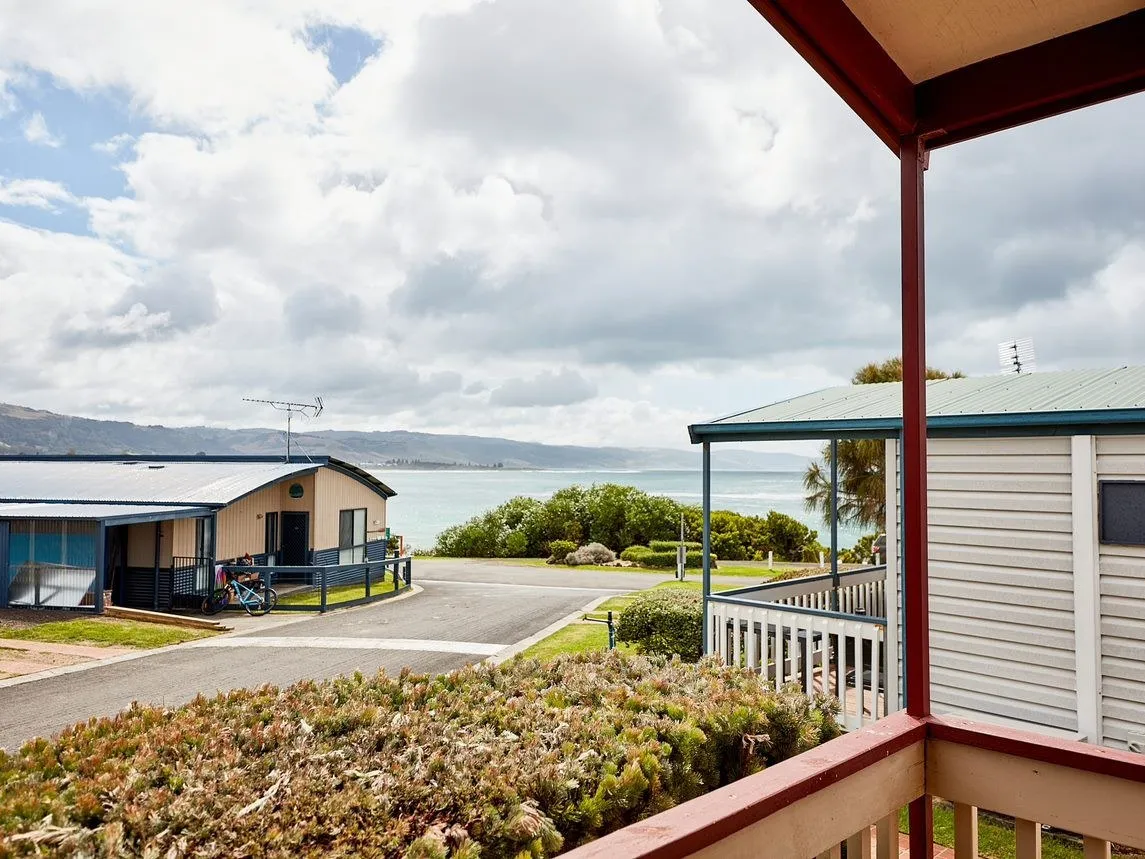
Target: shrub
[[633, 554], [811, 553], [672, 545], [559, 550], [665, 622], [593, 553], [667, 560], [516, 544], [523, 759]]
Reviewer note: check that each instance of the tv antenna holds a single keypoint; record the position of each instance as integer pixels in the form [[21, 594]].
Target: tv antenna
[[1017, 356], [311, 410]]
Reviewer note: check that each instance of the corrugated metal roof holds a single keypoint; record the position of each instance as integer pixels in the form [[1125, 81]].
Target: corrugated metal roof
[[211, 483], [1035, 402], [100, 512]]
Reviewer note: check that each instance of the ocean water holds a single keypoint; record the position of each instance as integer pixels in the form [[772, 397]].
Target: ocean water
[[430, 501]]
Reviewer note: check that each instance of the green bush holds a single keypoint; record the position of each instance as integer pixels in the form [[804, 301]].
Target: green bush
[[520, 760], [634, 553], [665, 622], [616, 515], [863, 552], [672, 545], [559, 550], [593, 553], [667, 560]]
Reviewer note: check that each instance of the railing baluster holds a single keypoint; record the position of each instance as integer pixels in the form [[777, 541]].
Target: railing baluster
[[859, 844], [965, 831], [876, 632], [793, 652], [887, 837], [751, 640], [809, 661], [737, 650], [1028, 839], [1095, 848]]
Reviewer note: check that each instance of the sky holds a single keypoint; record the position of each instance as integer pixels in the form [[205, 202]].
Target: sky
[[580, 222]]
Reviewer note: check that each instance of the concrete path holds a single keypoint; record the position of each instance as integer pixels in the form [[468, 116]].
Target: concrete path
[[466, 612]]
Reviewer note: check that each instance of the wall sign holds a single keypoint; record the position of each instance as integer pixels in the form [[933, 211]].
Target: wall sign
[[296, 490], [1121, 516]]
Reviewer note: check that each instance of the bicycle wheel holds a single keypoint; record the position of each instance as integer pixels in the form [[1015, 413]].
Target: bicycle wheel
[[266, 602], [217, 601]]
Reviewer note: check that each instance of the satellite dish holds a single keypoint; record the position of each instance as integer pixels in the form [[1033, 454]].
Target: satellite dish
[[1017, 356]]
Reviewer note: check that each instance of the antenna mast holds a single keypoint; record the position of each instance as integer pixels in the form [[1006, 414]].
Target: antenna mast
[[1017, 356], [313, 410]]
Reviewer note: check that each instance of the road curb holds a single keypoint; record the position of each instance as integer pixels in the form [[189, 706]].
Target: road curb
[[524, 644]]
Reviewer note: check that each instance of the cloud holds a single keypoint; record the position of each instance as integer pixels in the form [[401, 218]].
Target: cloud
[[546, 389], [36, 132], [35, 193], [577, 224]]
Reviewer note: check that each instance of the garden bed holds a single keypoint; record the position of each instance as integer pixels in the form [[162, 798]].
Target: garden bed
[[522, 759]]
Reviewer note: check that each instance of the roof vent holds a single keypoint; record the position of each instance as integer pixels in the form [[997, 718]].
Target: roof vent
[[156, 466]]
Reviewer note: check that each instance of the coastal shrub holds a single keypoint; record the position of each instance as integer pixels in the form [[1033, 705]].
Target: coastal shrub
[[593, 553], [633, 554], [616, 515], [863, 552], [524, 759], [559, 550], [667, 560], [665, 623], [672, 545]]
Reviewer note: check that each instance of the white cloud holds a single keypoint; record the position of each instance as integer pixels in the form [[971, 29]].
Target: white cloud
[[36, 193], [36, 131], [589, 223]]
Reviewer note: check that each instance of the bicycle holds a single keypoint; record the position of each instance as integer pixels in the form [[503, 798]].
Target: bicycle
[[249, 593]]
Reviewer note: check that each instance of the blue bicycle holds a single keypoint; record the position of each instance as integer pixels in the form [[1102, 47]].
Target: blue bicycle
[[249, 589]]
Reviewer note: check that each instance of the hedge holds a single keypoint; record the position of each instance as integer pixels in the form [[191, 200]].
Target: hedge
[[559, 550], [668, 560], [664, 622], [633, 554], [672, 545], [520, 760]]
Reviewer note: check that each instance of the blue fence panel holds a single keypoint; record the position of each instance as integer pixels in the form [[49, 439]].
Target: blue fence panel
[[376, 550], [325, 557]]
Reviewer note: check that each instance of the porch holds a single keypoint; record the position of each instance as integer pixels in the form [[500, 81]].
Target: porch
[[847, 795], [827, 634]]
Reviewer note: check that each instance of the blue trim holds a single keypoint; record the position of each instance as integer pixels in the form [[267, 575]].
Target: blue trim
[[128, 519], [1075, 422], [100, 566], [3, 565]]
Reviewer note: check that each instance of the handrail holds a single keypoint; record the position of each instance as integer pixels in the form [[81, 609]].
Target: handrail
[[813, 584], [795, 609]]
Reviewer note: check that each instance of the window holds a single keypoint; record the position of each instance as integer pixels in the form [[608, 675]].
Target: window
[[204, 549], [1122, 512], [352, 536], [271, 547]]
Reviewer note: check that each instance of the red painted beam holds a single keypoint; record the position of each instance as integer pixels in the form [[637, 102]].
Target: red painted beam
[[835, 43], [688, 828], [1079, 69]]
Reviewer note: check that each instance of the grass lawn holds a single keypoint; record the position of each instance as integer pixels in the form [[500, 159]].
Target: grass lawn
[[340, 594], [574, 638], [722, 570], [106, 632], [995, 838]]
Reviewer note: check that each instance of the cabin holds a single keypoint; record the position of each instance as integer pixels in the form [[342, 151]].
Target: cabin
[[147, 530], [1036, 491]]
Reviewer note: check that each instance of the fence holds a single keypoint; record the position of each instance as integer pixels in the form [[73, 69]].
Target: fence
[[823, 639], [337, 585]]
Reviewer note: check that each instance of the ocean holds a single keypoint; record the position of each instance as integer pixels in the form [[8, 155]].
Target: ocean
[[428, 502]]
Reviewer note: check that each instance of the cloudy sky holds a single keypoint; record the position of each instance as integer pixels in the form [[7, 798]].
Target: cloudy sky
[[586, 222]]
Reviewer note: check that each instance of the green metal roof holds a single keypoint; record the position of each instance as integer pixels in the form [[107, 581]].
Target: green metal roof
[[1064, 403]]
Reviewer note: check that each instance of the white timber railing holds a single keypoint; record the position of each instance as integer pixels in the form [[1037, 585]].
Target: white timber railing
[[791, 633]]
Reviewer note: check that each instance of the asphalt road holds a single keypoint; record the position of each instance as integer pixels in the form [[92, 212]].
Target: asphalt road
[[467, 611]]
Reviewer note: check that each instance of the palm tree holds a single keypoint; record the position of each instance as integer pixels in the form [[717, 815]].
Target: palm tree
[[862, 463]]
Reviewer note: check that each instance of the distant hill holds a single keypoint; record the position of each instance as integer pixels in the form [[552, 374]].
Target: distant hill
[[28, 431]]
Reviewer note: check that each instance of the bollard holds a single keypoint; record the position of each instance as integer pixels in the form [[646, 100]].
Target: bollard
[[770, 559], [821, 564]]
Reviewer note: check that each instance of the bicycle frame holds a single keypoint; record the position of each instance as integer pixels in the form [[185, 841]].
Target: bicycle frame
[[245, 594]]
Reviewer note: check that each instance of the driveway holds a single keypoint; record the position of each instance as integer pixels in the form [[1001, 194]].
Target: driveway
[[466, 612]]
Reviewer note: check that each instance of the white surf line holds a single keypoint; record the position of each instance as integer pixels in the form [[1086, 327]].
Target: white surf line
[[522, 585], [330, 643]]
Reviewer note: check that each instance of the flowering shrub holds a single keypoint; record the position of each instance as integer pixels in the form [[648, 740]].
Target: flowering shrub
[[520, 760]]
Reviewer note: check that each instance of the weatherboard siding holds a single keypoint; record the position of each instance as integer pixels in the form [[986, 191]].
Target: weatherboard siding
[[335, 492], [1122, 593], [242, 525], [1001, 579]]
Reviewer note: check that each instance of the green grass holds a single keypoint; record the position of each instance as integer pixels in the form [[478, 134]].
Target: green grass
[[340, 594], [106, 632], [995, 838], [574, 638]]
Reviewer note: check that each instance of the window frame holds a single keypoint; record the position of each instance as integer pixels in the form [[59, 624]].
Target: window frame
[[350, 551]]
